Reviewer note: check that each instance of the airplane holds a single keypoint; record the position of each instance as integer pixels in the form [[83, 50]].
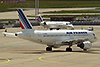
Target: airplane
[[54, 25], [53, 38]]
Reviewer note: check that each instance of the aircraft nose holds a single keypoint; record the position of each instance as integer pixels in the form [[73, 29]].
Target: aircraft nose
[[95, 38], [71, 25]]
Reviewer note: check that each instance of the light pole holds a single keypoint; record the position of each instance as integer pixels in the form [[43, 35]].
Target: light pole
[[36, 9]]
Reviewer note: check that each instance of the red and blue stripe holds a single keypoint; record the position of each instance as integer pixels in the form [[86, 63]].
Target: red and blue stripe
[[39, 19], [24, 23]]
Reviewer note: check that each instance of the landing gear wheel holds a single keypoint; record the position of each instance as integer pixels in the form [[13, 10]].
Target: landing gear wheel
[[58, 28], [51, 28], [85, 49], [49, 49], [69, 49]]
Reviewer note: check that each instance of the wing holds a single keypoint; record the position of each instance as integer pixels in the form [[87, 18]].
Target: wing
[[74, 41], [8, 34], [70, 41]]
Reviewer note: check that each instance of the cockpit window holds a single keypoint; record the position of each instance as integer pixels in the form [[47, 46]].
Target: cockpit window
[[68, 23], [93, 34]]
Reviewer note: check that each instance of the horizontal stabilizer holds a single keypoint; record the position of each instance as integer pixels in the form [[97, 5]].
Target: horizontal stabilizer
[[8, 34]]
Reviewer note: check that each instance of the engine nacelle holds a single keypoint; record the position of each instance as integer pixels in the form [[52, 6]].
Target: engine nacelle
[[44, 23], [85, 45]]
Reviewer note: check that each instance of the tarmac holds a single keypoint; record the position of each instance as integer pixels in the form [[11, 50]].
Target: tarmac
[[16, 52]]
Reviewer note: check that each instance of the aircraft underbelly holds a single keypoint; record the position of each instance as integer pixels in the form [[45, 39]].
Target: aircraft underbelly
[[53, 40], [52, 26]]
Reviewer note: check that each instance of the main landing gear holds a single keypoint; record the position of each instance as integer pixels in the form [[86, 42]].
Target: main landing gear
[[85, 49], [69, 49], [49, 49], [54, 28], [58, 28], [51, 28]]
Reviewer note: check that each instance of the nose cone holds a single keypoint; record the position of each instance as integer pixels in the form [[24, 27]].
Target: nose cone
[[71, 25], [95, 38]]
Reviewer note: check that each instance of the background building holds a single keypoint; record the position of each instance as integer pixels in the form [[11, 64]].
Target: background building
[[14, 1]]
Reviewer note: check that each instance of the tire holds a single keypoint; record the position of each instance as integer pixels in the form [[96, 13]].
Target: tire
[[50, 28], [85, 49], [69, 49], [49, 49]]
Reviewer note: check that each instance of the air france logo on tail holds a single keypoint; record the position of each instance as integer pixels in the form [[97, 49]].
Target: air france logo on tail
[[39, 19], [24, 23]]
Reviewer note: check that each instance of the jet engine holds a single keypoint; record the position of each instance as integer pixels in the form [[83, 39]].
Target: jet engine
[[44, 23], [85, 45]]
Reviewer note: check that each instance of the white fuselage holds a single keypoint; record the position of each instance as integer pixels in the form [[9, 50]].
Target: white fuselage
[[54, 25], [53, 37]]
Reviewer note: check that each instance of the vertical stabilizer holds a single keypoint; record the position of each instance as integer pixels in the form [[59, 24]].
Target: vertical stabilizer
[[39, 18], [24, 22]]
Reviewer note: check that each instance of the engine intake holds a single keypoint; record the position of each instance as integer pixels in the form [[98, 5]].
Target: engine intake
[[15, 34], [85, 45], [44, 23]]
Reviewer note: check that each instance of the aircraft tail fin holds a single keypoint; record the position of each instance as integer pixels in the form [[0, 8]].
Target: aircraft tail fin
[[39, 18], [24, 22]]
